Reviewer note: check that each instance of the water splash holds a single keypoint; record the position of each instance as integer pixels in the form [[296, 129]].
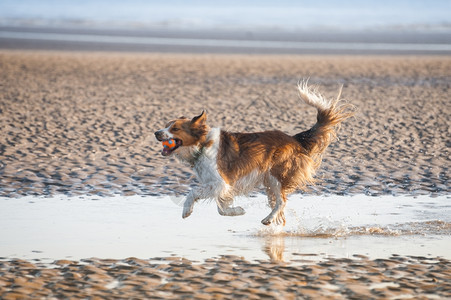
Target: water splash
[[335, 230]]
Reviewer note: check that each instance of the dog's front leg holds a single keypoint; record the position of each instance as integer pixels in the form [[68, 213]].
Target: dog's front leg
[[205, 192], [189, 203]]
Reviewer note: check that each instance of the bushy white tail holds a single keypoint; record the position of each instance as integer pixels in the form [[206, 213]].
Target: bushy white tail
[[313, 97], [330, 115]]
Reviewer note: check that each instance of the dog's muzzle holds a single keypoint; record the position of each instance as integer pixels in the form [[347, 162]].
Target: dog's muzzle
[[160, 135]]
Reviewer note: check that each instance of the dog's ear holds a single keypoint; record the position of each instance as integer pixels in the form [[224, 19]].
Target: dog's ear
[[200, 119]]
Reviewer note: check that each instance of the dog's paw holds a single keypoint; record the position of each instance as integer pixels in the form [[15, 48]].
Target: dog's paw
[[231, 211], [187, 211], [239, 211], [267, 221], [278, 219]]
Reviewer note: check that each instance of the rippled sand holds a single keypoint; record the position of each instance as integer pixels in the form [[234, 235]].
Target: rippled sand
[[78, 123], [228, 277], [83, 123]]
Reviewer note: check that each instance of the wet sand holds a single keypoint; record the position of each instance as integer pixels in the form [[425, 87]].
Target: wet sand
[[228, 277], [78, 123], [83, 123]]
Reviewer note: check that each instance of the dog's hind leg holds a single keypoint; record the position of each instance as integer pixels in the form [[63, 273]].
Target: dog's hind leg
[[224, 207], [277, 200], [271, 190], [277, 215]]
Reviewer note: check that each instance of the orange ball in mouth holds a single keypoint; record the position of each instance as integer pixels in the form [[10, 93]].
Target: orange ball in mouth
[[169, 143]]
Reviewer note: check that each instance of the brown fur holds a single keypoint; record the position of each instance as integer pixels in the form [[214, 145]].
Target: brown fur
[[191, 132], [241, 153], [293, 160]]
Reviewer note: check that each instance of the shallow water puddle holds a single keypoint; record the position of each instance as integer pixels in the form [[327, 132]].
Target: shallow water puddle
[[135, 226]]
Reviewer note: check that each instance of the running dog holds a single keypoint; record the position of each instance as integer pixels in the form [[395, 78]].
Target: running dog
[[228, 164]]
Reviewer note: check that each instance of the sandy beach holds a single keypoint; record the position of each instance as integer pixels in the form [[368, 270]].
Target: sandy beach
[[81, 124], [228, 277], [77, 123]]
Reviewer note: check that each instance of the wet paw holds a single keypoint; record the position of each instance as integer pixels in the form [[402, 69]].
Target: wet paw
[[239, 211], [266, 221], [231, 211], [187, 211]]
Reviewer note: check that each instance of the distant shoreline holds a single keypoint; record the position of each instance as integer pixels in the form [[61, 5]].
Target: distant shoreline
[[228, 42]]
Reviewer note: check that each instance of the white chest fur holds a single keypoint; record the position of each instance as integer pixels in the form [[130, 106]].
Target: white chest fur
[[206, 169], [206, 166]]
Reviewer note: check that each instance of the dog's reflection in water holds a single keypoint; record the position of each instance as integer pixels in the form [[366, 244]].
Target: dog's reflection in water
[[274, 247]]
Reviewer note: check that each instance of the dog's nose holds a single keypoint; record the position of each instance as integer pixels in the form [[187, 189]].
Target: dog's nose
[[158, 134]]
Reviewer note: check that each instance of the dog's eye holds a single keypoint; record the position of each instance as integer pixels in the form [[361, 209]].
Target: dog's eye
[[175, 129]]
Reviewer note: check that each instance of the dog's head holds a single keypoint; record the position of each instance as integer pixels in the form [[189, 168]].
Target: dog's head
[[185, 132]]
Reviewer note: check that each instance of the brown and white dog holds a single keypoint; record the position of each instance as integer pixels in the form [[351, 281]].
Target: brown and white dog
[[228, 164]]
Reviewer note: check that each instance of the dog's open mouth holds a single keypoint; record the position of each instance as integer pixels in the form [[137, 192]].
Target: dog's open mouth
[[170, 145]]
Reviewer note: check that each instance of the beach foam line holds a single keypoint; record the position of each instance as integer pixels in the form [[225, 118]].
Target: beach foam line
[[110, 39]]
